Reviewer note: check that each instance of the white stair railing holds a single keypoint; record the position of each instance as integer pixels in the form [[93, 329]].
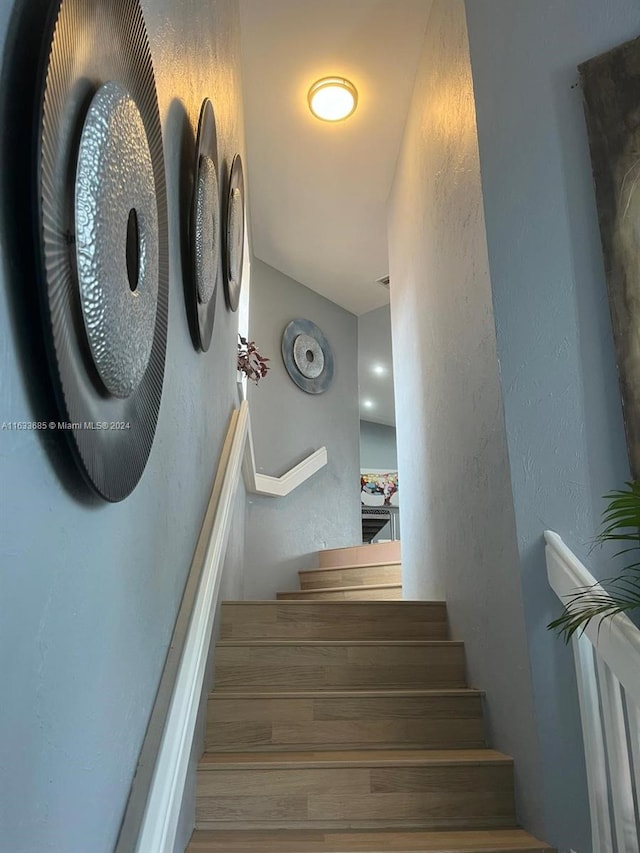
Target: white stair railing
[[607, 657]]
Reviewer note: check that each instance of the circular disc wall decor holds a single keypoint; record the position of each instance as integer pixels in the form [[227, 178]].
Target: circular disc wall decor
[[235, 234], [205, 228], [102, 239], [307, 356]]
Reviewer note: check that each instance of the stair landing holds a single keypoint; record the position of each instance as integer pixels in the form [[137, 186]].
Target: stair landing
[[362, 573]]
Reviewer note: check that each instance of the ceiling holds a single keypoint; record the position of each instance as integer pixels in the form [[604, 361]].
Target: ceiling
[[317, 192]]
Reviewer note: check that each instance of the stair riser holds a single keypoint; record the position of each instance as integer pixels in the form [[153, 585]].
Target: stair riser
[[396, 841], [473, 796], [360, 555], [357, 575], [344, 621], [318, 666], [332, 723], [355, 594]]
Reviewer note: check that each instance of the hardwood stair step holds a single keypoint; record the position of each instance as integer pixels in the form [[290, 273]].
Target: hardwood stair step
[[344, 719], [318, 664], [358, 554], [380, 592], [350, 576], [432, 789], [362, 841], [334, 620]]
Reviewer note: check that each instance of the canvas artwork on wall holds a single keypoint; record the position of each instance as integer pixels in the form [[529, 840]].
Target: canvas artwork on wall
[[611, 87], [379, 487]]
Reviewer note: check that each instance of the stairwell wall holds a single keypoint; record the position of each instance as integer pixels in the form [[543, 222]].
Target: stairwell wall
[[378, 446], [90, 591], [554, 340], [284, 534], [458, 526]]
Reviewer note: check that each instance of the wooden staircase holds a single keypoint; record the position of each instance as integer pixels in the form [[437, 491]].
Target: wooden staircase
[[342, 722]]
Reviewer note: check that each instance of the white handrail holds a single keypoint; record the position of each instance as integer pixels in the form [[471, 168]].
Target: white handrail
[[160, 821], [607, 657], [279, 487], [162, 809], [617, 639]]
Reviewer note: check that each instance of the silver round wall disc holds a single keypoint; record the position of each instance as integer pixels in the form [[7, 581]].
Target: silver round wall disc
[[108, 388], [116, 222], [234, 234], [207, 230], [204, 233], [307, 356]]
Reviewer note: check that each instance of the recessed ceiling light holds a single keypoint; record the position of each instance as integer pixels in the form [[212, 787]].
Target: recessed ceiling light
[[368, 404], [332, 98], [379, 369]]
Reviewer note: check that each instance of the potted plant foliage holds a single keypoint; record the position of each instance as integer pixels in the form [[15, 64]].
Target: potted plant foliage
[[620, 594], [250, 362]]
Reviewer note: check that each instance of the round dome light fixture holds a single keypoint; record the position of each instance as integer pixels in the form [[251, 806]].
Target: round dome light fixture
[[333, 98]]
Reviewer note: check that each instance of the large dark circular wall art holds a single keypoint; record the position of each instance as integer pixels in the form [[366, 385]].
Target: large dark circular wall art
[[102, 236], [307, 356], [205, 229], [234, 234]]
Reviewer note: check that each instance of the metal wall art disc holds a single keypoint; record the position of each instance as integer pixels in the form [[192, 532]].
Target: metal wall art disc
[[307, 356], [205, 232], [118, 289], [102, 229], [234, 234]]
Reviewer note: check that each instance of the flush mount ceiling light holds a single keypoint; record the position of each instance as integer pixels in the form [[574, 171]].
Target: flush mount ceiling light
[[332, 98]]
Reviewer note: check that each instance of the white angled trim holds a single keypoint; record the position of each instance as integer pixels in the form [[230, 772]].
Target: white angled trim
[[279, 487], [160, 822]]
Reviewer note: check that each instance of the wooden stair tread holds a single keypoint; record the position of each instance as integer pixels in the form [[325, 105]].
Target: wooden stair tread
[[352, 758], [265, 641], [365, 841], [384, 564], [357, 588], [382, 604], [366, 693]]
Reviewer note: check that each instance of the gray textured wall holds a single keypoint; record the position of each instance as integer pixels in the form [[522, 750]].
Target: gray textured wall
[[561, 398], [378, 448], [458, 529], [375, 350], [283, 534], [89, 592]]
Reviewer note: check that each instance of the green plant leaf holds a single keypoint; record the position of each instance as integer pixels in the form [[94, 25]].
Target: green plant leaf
[[620, 594]]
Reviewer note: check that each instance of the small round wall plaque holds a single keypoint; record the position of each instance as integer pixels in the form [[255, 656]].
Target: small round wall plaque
[[205, 232], [307, 356], [102, 237]]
